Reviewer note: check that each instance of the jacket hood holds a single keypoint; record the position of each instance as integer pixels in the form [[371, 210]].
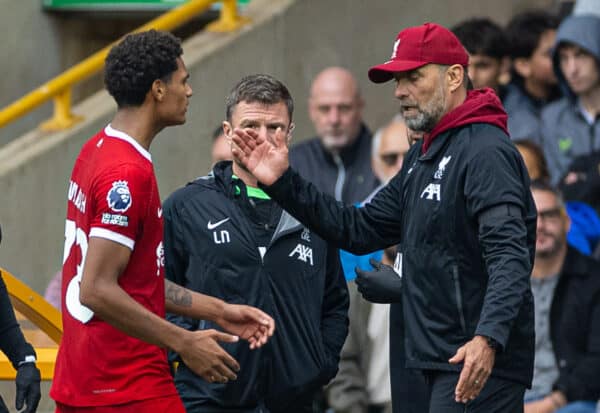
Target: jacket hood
[[480, 106], [580, 30]]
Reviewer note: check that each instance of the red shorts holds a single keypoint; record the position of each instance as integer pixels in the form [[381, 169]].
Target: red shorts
[[171, 404]]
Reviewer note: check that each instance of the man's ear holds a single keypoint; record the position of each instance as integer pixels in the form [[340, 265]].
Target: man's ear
[[158, 90], [289, 133], [522, 67], [455, 76], [227, 130]]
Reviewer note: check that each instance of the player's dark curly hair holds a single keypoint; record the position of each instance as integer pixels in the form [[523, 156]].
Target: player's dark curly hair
[[136, 62]]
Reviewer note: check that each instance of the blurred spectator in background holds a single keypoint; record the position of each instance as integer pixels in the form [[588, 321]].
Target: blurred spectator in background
[[582, 180], [570, 126], [530, 37], [389, 148], [534, 159], [486, 44], [584, 232], [220, 150], [338, 159], [363, 383], [566, 291], [52, 292]]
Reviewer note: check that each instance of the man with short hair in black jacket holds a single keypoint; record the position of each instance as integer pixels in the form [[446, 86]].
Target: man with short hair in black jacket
[[566, 290], [225, 237], [462, 213]]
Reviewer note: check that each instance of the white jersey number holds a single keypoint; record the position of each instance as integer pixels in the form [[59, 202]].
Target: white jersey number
[[76, 237]]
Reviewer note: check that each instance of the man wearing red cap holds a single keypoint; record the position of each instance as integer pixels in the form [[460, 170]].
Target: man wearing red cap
[[462, 212]]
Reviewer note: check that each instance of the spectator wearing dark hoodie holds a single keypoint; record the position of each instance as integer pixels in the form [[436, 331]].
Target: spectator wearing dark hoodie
[[570, 126], [530, 37]]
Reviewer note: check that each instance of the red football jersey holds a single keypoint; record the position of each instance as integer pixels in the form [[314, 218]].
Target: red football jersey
[[113, 195]]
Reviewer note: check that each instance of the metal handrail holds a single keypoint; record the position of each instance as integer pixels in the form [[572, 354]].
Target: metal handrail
[[59, 88]]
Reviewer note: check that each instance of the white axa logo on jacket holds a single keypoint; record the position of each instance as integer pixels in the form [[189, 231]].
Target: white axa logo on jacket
[[305, 253], [433, 191]]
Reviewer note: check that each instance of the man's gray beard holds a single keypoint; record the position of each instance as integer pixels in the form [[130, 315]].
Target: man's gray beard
[[430, 115], [423, 122]]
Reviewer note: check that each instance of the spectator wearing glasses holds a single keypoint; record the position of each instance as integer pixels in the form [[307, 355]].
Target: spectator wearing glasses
[[566, 291]]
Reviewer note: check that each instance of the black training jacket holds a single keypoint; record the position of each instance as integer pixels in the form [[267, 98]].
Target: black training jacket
[[210, 247], [463, 276]]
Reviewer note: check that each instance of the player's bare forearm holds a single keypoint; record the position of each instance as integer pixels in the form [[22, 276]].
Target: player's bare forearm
[[180, 300], [101, 293]]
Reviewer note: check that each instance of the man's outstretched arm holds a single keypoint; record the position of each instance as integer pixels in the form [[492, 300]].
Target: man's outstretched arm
[[101, 292], [359, 230], [248, 323]]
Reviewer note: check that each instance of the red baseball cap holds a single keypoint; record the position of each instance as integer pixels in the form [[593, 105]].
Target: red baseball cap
[[420, 45]]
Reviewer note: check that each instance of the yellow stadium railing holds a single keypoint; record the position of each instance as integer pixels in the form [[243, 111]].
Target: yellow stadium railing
[[47, 318], [59, 88]]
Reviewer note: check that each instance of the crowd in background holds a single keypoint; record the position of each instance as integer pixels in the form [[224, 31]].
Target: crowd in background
[[546, 71]]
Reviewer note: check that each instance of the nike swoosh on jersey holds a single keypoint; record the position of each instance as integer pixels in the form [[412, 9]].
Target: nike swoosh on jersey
[[159, 212], [216, 224]]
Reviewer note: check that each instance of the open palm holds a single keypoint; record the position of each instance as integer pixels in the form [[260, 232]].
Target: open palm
[[264, 159], [248, 323]]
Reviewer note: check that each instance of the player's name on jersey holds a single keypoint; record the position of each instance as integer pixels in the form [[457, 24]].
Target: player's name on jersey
[[77, 196]]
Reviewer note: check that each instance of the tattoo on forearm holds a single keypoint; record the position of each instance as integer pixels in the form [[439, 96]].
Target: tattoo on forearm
[[177, 295]]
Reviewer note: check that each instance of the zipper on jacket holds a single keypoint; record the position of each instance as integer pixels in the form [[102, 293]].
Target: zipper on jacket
[[341, 177], [459, 302]]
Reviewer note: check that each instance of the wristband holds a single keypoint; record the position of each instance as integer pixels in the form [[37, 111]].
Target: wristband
[[28, 359]]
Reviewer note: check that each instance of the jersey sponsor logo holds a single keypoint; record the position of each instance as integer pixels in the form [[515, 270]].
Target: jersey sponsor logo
[[305, 253], [442, 167], [212, 226], [76, 196], [432, 191], [305, 235], [159, 213], [114, 219], [118, 197]]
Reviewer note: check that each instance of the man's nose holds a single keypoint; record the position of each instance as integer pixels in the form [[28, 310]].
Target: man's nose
[[333, 116], [401, 90]]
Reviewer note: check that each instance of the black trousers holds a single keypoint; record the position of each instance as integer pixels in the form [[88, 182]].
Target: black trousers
[[497, 396]]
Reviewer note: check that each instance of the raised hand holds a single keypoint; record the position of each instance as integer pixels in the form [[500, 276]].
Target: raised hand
[[266, 159], [204, 356], [248, 323]]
